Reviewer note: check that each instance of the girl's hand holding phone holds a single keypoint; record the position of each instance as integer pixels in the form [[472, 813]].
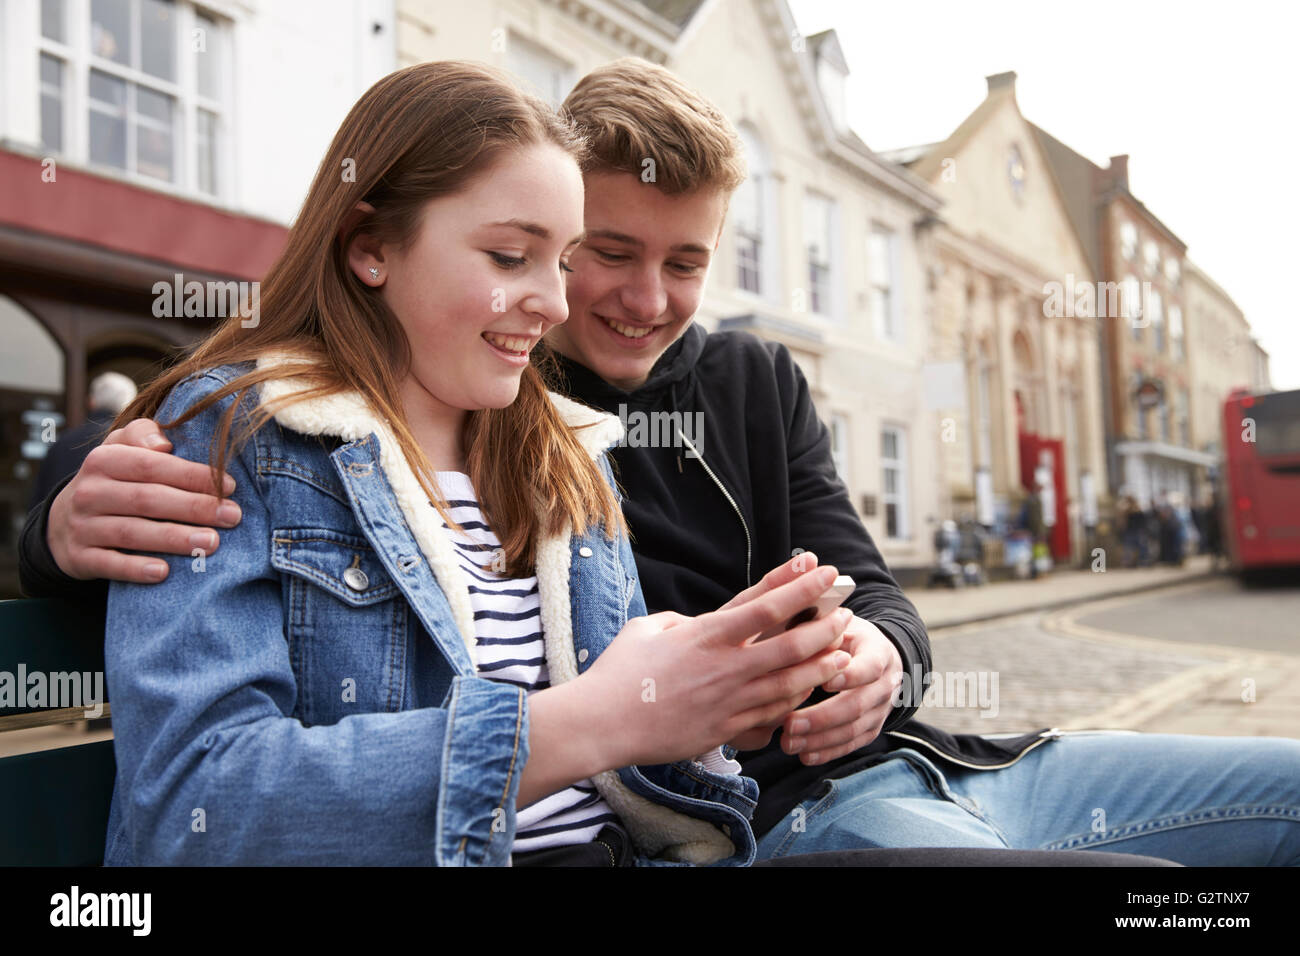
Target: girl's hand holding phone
[[673, 686]]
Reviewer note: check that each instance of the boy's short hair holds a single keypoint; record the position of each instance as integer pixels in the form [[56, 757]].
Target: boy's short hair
[[631, 110]]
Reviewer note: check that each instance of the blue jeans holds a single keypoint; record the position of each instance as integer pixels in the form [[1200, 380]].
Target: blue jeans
[[1196, 800]]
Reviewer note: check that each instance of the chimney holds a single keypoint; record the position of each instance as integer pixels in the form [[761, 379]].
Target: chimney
[[999, 81], [1119, 171]]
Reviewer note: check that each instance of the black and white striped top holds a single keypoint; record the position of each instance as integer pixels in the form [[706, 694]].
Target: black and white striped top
[[509, 647]]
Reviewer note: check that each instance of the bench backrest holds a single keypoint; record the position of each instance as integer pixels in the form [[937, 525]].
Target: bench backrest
[[53, 803]]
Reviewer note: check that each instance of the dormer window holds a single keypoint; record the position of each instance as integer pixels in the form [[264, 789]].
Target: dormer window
[[831, 71]]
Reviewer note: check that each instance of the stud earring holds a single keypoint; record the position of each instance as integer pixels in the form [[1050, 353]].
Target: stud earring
[[374, 273]]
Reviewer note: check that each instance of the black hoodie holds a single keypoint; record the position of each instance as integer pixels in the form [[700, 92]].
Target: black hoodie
[[763, 484]]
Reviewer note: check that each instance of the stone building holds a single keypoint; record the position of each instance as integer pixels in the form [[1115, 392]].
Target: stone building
[[1006, 264]]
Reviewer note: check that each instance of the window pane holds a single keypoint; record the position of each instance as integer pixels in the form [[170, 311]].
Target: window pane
[[153, 105], [52, 21], [158, 38], [108, 90], [889, 444], [51, 103], [110, 30], [107, 120], [51, 72], [207, 148], [878, 257], [108, 140], [891, 520], [208, 57], [154, 135], [817, 228]]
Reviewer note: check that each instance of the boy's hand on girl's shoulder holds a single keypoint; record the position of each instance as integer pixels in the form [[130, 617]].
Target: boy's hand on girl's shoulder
[[133, 494]]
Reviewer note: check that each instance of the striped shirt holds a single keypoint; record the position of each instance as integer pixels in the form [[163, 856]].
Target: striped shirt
[[508, 647]]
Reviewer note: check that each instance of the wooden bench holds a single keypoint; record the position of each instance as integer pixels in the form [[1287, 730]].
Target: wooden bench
[[53, 803]]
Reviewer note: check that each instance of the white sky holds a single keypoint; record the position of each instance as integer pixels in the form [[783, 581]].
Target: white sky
[[1204, 97]]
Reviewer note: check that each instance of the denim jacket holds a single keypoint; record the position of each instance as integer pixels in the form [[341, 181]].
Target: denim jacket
[[307, 693]]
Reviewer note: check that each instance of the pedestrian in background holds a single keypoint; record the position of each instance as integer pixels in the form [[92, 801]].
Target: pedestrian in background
[[109, 394]]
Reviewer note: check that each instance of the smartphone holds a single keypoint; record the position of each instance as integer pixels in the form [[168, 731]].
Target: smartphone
[[831, 598]]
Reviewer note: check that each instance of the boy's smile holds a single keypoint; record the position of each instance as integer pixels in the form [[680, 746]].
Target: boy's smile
[[638, 277]]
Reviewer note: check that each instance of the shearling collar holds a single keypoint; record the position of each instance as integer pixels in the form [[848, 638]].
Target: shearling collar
[[347, 416]]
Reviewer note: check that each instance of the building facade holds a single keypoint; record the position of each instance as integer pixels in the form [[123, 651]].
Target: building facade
[[138, 153], [1142, 310], [1023, 419]]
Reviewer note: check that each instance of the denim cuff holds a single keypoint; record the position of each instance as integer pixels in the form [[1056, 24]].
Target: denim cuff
[[483, 756]]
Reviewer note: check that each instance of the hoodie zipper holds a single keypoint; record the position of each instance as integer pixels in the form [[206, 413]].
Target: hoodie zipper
[[748, 544], [1045, 736]]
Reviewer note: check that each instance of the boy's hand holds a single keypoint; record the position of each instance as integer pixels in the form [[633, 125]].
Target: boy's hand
[[854, 716], [131, 493]]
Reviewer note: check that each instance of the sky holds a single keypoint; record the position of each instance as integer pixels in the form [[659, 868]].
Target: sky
[[1203, 97]]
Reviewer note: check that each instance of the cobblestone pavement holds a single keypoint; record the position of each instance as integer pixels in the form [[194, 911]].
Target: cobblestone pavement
[[1041, 679]]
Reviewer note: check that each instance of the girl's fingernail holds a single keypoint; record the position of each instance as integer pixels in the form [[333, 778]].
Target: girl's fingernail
[[842, 659], [800, 726], [796, 745], [835, 683], [156, 570]]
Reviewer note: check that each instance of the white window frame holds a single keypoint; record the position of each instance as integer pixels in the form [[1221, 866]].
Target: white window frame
[[764, 236], [79, 61], [899, 497], [829, 308], [894, 331]]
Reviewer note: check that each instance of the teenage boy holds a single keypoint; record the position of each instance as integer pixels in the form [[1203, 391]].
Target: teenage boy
[[710, 509]]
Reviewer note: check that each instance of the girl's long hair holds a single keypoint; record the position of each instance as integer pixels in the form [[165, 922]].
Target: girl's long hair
[[417, 134]]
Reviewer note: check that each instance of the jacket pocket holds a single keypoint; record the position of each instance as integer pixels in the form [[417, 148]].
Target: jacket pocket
[[346, 624], [343, 564]]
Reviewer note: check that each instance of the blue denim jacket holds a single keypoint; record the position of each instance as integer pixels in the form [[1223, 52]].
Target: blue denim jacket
[[307, 693]]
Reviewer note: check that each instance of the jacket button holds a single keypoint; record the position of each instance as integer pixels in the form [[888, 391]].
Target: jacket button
[[585, 551], [356, 579], [583, 655]]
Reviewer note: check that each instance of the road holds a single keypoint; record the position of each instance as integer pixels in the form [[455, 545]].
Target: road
[[1207, 657]]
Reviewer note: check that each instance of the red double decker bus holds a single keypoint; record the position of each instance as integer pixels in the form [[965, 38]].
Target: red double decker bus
[[1261, 475]]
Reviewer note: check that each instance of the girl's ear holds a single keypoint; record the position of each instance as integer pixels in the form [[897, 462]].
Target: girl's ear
[[365, 254]]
